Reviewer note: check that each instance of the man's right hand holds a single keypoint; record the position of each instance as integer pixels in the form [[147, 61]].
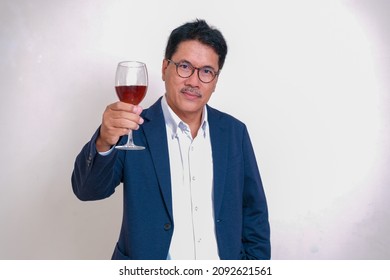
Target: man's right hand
[[118, 119]]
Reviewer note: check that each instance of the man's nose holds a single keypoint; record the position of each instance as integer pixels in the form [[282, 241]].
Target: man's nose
[[194, 78]]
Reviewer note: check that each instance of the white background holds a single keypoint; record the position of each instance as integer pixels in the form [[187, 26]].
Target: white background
[[310, 79]]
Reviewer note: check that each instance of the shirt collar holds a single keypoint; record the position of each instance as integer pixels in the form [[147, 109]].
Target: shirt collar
[[173, 122]]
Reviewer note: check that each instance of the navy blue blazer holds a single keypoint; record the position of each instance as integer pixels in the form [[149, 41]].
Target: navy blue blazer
[[240, 208]]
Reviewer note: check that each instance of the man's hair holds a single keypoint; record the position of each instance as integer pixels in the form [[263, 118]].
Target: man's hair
[[197, 30]]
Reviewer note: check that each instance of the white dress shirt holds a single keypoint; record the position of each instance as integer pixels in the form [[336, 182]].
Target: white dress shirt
[[191, 166]]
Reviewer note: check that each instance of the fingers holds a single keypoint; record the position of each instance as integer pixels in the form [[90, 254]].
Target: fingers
[[122, 119], [125, 107], [123, 116]]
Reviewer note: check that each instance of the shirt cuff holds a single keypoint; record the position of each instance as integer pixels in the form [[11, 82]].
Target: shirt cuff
[[107, 152]]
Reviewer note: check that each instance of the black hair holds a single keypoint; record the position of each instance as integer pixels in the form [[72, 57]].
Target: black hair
[[198, 30]]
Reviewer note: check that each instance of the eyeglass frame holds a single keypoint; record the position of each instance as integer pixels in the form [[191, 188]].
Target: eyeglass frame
[[216, 73]]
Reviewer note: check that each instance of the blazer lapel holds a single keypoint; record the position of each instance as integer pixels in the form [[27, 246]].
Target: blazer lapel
[[155, 132], [220, 153]]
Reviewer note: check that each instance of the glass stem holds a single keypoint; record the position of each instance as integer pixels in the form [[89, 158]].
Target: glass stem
[[130, 139]]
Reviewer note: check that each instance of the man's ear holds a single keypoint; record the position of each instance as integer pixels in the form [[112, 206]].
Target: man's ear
[[164, 68]]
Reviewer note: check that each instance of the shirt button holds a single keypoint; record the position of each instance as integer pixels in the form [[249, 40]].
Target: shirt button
[[193, 178], [167, 226], [196, 208]]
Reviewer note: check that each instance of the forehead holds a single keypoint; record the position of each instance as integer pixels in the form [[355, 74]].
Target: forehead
[[196, 53]]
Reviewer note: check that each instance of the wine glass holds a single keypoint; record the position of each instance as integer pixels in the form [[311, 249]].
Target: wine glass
[[131, 82]]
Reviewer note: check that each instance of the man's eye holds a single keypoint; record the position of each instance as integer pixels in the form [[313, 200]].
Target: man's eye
[[208, 71], [184, 66]]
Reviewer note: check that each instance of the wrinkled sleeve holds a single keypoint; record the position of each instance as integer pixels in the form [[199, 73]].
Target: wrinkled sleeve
[[95, 176]]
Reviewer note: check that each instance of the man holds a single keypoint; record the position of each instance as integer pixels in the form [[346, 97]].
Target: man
[[195, 192]]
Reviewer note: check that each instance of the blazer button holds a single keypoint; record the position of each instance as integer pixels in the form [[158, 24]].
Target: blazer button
[[167, 226]]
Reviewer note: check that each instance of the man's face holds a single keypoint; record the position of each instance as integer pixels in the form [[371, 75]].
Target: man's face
[[187, 96]]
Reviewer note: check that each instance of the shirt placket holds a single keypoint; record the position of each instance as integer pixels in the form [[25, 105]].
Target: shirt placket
[[189, 178], [194, 191]]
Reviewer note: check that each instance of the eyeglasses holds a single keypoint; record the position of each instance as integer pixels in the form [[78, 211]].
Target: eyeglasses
[[185, 69]]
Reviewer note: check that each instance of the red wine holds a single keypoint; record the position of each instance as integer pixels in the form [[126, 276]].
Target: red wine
[[131, 94]]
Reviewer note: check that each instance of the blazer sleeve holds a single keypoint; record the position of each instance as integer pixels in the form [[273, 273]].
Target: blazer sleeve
[[95, 176], [256, 229]]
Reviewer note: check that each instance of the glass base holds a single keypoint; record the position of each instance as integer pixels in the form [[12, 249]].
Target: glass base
[[130, 147]]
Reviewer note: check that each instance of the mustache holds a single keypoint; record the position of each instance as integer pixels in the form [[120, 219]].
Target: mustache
[[192, 90]]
